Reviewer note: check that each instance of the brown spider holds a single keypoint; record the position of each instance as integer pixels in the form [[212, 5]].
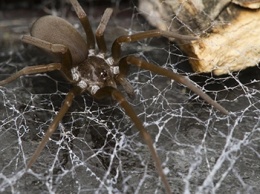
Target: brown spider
[[93, 72]]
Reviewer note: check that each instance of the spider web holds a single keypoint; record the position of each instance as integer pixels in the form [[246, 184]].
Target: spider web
[[96, 148]]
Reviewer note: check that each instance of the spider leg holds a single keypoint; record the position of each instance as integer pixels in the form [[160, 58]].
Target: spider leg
[[116, 47], [121, 79], [110, 91], [54, 48], [66, 59], [126, 85], [85, 23], [101, 28], [31, 70], [161, 71], [53, 126]]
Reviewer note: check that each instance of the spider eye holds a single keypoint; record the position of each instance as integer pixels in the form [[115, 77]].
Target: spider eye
[[103, 75]]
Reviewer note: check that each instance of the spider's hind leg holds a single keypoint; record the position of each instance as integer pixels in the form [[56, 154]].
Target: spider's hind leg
[[85, 23], [66, 59], [101, 28], [31, 70]]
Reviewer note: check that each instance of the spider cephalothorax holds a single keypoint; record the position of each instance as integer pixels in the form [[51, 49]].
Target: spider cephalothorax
[[94, 73], [89, 71]]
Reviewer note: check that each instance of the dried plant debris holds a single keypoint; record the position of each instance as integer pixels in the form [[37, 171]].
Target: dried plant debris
[[229, 31]]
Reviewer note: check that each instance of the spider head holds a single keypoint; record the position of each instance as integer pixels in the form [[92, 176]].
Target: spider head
[[94, 73]]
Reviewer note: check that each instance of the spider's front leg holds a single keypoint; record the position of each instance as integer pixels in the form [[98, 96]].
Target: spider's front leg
[[85, 23], [121, 79], [116, 95], [132, 60]]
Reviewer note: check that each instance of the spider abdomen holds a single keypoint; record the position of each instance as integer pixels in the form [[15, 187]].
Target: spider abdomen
[[58, 31]]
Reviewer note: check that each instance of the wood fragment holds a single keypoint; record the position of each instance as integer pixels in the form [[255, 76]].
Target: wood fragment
[[252, 4], [229, 31]]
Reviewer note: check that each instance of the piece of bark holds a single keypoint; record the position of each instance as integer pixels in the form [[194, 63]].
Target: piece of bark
[[252, 4], [229, 31]]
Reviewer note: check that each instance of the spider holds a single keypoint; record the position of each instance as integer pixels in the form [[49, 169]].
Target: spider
[[95, 72]]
